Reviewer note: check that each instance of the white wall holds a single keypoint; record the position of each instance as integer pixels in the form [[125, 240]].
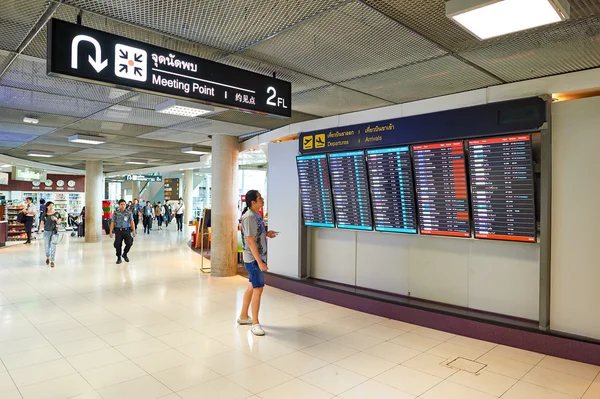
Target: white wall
[[283, 197], [499, 277], [575, 289]]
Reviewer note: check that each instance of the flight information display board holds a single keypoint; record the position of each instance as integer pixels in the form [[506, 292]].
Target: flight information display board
[[442, 194], [502, 188], [315, 191], [392, 190], [350, 190]]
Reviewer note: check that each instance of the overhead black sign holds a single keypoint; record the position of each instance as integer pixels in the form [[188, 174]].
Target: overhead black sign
[[75, 51]]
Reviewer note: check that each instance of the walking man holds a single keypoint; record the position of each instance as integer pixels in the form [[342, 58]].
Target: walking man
[[30, 213], [168, 213], [124, 228], [148, 213], [135, 209], [159, 215], [179, 209]]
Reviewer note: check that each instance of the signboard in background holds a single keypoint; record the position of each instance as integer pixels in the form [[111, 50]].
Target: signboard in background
[[148, 178], [172, 189], [75, 51], [3, 178], [23, 173]]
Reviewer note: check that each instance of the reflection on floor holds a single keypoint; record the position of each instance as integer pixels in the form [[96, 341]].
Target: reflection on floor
[[157, 328]]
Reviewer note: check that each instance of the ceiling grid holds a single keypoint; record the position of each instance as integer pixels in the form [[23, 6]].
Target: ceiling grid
[[340, 56]]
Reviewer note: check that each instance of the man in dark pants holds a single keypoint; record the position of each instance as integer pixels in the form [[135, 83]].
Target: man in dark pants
[[168, 213], [148, 212], [122, 224], [135, 209]]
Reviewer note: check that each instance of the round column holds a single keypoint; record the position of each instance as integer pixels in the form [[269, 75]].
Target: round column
[[224, 215], [188, 196], [94, 194]]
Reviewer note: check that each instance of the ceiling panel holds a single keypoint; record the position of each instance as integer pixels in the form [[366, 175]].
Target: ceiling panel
[[176, 136], [22, 128], [7, 145], [229, 25], [111, 128], [559, 49], [37, 47], [5, 57], [347, 42], [138, 116], [333, 100], [245, 118], [16, 137], [431, 78], [210, 126], [300, 82], [48, 103], [29, 73], [16, 20], [50, 120]]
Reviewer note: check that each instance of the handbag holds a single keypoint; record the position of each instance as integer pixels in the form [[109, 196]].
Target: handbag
[[21, 217]]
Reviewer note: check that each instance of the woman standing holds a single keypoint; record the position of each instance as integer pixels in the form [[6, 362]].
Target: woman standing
[[254, 242], [29, 218], [50, 224], [159, 215]]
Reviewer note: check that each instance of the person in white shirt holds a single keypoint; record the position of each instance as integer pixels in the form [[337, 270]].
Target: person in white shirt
[[30, 213], [178, 211]]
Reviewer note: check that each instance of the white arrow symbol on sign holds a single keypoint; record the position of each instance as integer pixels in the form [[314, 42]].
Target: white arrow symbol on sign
[[97, 63]]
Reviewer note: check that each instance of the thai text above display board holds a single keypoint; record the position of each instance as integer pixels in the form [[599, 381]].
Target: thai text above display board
[[77, 52], [350, 187], [315, 191], [442, 193], [392, 190], [502, 191]]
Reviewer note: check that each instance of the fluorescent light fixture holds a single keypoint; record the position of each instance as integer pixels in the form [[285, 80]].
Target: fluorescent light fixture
[[40, 154], [84, 139], [136, 162], [6, 166], [184, 108], [194, 151], [33, 121], [491, 18]]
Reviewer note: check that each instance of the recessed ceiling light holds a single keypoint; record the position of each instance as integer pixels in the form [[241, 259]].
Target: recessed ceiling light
[[194, 151], [184, 108], [137, 162], [85, 139], [491, 18], [28, 119], [40, 154]]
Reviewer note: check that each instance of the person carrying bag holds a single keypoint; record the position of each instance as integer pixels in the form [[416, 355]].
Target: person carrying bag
[[50, 224]]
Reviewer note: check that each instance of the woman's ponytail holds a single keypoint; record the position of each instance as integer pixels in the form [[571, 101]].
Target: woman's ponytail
[[251, 196]]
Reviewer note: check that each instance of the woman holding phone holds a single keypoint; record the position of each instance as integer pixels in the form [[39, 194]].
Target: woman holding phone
[[254, 242], [49, 224]]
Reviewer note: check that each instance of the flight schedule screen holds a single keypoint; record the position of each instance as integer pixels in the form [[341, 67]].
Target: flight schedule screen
[[392, 192], [315, 191], [502, 188], [350, 190], [442, 193]]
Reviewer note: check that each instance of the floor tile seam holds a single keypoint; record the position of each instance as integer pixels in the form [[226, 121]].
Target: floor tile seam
[[76, 372], [11, 378], [562, 372], [383, 372], [479, 390], [246, 389], [112, 364], [507, 358], [550, 389], [588, 389]]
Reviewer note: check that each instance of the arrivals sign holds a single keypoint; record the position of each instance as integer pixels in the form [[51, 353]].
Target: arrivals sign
[[77, 52]]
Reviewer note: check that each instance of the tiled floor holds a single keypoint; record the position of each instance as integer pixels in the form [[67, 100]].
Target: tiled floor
[[158, 328]]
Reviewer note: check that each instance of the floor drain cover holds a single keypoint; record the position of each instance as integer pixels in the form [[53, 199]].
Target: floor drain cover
[[470, 366]]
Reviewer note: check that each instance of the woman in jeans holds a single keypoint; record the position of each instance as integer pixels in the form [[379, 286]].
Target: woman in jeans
[[50, 223]]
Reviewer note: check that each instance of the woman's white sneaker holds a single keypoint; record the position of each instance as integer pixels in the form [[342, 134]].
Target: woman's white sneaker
[[257, 330], [245, 322]]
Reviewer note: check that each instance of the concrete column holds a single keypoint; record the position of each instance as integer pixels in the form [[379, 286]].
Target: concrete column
[[123, 191], [94, 194], [223, 258], [188, 196], [135, 190]]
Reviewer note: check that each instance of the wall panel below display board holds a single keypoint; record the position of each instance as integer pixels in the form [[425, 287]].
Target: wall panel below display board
[[59, 183]]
